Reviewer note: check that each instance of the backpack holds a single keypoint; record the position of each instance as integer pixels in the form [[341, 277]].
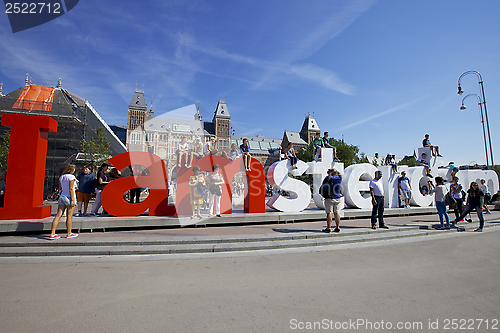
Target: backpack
[[326, 189]]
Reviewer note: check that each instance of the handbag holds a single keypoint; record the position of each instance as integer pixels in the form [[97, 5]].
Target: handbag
[[201, 188], [215, 189]]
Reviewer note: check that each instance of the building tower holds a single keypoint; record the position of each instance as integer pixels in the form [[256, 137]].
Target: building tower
[[151, 113], [137, 115], [309, 129], [222, 125], [197, 115]]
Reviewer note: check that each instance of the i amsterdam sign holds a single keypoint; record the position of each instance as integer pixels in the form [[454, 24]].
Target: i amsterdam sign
[[26, 172]]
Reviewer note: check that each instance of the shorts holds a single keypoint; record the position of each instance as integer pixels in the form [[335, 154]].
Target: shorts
[[332, 206], [405, 194], [455, 169], [85, 197], [64, 201]]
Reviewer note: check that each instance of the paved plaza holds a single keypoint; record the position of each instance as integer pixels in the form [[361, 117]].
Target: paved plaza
[[454, 276]]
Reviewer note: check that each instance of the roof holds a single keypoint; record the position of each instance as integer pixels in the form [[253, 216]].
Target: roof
[[138, 101], [180, 126], [258, 144], [221, 110], [294, 137], [310, 124]]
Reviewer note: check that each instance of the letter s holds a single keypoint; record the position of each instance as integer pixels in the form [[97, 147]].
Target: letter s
[[300, 193]]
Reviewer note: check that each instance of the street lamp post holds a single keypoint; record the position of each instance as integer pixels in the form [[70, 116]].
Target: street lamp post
[[483, 98], [479, 103]]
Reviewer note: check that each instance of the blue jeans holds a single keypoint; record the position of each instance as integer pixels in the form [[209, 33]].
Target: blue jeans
[[378, 210], [469, 209], [441, 208]]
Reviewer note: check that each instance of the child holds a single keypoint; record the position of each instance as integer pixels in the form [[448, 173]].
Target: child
[[425, 163], [290, 154], [245, 152], [318, 144]]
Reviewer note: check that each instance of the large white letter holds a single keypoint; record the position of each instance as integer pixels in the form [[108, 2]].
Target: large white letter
[[417, 179], [318, 171], [356, 179], [300, 193]]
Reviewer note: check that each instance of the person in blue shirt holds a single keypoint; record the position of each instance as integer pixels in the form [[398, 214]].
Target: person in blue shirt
[[85, 189], [333, 204], [454, 169], [245, 152]]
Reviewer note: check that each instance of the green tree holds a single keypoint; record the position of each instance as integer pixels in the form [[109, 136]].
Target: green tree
[[346, 153], [4, 150], [409, 162], [96, 150]]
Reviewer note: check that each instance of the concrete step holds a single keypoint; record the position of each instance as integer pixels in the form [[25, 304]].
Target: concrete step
[[203, 244]]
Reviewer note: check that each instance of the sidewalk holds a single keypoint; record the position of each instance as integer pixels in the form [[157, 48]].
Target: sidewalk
[[226, 238]]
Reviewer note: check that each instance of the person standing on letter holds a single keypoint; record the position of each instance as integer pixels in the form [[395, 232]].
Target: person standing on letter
[[377, 194]]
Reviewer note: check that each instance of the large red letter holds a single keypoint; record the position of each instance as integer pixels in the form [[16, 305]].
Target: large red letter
[[26, 166], [157, 200]]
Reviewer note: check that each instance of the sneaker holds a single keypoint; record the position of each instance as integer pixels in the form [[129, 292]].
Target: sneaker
[[439, 155], [56, 236], [440, 228], [468, 220], [327, 230], [336, 230], [383, 226], [72, 235], [374, 226], [249, 169], [336, 160], [78, 214], [430, 176], [487, 212], [479, 230]]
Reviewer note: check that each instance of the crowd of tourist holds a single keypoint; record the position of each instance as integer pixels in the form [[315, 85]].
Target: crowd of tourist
[[206, 188]]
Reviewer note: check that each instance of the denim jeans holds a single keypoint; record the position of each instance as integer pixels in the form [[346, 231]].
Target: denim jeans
[[469, 209], [441, 208], [378, 210]]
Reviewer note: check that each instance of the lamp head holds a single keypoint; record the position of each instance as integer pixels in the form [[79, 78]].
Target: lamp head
[[462, 107], [460, 91]]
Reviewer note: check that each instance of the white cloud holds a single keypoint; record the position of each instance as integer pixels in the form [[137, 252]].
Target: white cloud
[[383, 113]]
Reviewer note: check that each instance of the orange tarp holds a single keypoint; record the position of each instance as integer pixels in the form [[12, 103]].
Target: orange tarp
[[35, 98]]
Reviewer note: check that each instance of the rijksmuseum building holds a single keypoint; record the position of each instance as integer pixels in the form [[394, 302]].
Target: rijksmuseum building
[[76, 119], [161, 135]]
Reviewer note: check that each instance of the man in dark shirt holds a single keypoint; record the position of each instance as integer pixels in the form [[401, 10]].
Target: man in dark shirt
[[427, 143], [85, 189], [333, 204]]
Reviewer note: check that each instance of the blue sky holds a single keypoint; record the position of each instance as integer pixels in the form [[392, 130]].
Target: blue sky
[[379, 73]]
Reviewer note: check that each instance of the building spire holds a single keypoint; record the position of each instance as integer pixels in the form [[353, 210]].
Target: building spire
[[27, 80], [59, 84], [1, 89]]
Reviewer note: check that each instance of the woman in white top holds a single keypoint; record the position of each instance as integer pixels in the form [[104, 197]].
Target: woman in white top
[[440, 196], [67, 200], [215, 180], [456, 193]]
